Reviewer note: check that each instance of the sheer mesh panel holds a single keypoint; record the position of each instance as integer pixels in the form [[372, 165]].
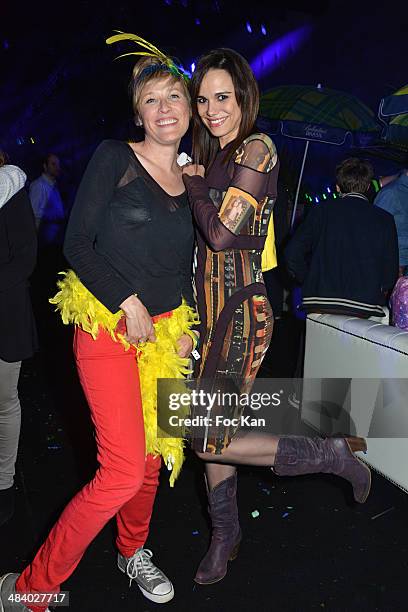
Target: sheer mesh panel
[[136, 170]]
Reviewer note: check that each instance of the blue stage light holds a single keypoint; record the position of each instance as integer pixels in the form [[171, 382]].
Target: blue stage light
[[279, 50]]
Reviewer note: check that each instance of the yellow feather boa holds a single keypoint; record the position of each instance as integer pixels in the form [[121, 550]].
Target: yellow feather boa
[[155, 359]]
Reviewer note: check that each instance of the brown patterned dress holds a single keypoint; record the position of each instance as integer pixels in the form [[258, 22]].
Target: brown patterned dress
[[232, 208]]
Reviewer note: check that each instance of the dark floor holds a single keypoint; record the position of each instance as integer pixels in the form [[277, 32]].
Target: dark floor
[[311, 548]]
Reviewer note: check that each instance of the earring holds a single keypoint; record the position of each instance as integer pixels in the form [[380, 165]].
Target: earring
[[138, 122]]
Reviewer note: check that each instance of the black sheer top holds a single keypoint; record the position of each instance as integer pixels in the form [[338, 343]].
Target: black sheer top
[[127, 235]]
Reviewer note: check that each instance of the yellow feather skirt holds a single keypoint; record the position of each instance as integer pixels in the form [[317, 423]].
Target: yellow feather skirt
[[155, 359]]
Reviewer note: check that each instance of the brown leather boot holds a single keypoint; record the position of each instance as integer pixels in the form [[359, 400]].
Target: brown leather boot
[[298, 455], [226, 532]]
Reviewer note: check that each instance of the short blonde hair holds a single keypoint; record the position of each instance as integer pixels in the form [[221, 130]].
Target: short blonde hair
[[142, 74]]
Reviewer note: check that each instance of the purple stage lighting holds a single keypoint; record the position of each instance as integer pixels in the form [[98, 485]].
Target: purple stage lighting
[[275, 53]]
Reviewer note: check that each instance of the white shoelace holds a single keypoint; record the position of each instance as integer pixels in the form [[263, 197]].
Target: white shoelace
[[140, 564]]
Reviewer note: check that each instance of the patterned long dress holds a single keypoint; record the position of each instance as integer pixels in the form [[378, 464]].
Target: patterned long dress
[[232, 208]]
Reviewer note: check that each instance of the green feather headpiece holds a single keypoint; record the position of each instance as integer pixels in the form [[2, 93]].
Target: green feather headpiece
[[167, 63]]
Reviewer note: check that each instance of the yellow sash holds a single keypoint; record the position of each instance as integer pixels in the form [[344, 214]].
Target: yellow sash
[[269, 260]]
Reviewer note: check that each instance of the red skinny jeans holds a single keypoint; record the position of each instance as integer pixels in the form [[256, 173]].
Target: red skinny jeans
[[126, 481]]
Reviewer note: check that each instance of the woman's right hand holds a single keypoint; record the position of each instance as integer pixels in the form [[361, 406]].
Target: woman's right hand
[[194, 170], [139, 324]]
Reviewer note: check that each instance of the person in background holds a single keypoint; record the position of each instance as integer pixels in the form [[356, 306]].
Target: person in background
[[18, 339], [399, 303], [393, 198], [12, 178], [47, 203], [345, 253], [378, 183]]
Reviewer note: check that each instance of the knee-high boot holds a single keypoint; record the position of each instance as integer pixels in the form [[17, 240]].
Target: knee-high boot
[[299, 455], [226, 532]]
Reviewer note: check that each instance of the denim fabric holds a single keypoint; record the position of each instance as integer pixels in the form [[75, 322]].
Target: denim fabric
[[394, 199]]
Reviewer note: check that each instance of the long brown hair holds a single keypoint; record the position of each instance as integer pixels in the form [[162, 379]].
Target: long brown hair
[[205, 146], [3, 158]]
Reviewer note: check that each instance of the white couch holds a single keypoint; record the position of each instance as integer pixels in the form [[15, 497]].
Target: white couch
[[367, 356]]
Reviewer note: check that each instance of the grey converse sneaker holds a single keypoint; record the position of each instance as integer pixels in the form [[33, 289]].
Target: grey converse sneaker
[[151, 581], [7, 595]]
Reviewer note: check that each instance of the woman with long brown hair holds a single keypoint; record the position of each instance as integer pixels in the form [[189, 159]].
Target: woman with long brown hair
[[232, 187]]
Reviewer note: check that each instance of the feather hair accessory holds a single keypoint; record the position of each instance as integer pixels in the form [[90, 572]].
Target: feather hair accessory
[[149, 51]]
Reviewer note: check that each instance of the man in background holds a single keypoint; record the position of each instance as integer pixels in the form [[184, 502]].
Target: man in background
[[345, 253], [47, 204], [393, 198]]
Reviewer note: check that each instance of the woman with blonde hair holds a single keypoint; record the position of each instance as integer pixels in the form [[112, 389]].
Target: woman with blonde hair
[[129, 294]]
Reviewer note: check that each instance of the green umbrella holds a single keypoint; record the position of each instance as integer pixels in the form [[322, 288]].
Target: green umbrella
[[396, 104], [396, 131], [393, 112], [336, 114], [317, 114]]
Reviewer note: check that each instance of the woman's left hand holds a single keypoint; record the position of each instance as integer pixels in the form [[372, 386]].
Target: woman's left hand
[[185, 344], [194, 170]]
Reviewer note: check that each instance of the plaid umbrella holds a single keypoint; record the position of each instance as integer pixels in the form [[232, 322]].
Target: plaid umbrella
[[393, 112], [319, 115], [395, 104], [396, 132]]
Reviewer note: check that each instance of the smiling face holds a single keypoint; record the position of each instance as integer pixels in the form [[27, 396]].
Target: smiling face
[[217, 105], [164, 109]]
